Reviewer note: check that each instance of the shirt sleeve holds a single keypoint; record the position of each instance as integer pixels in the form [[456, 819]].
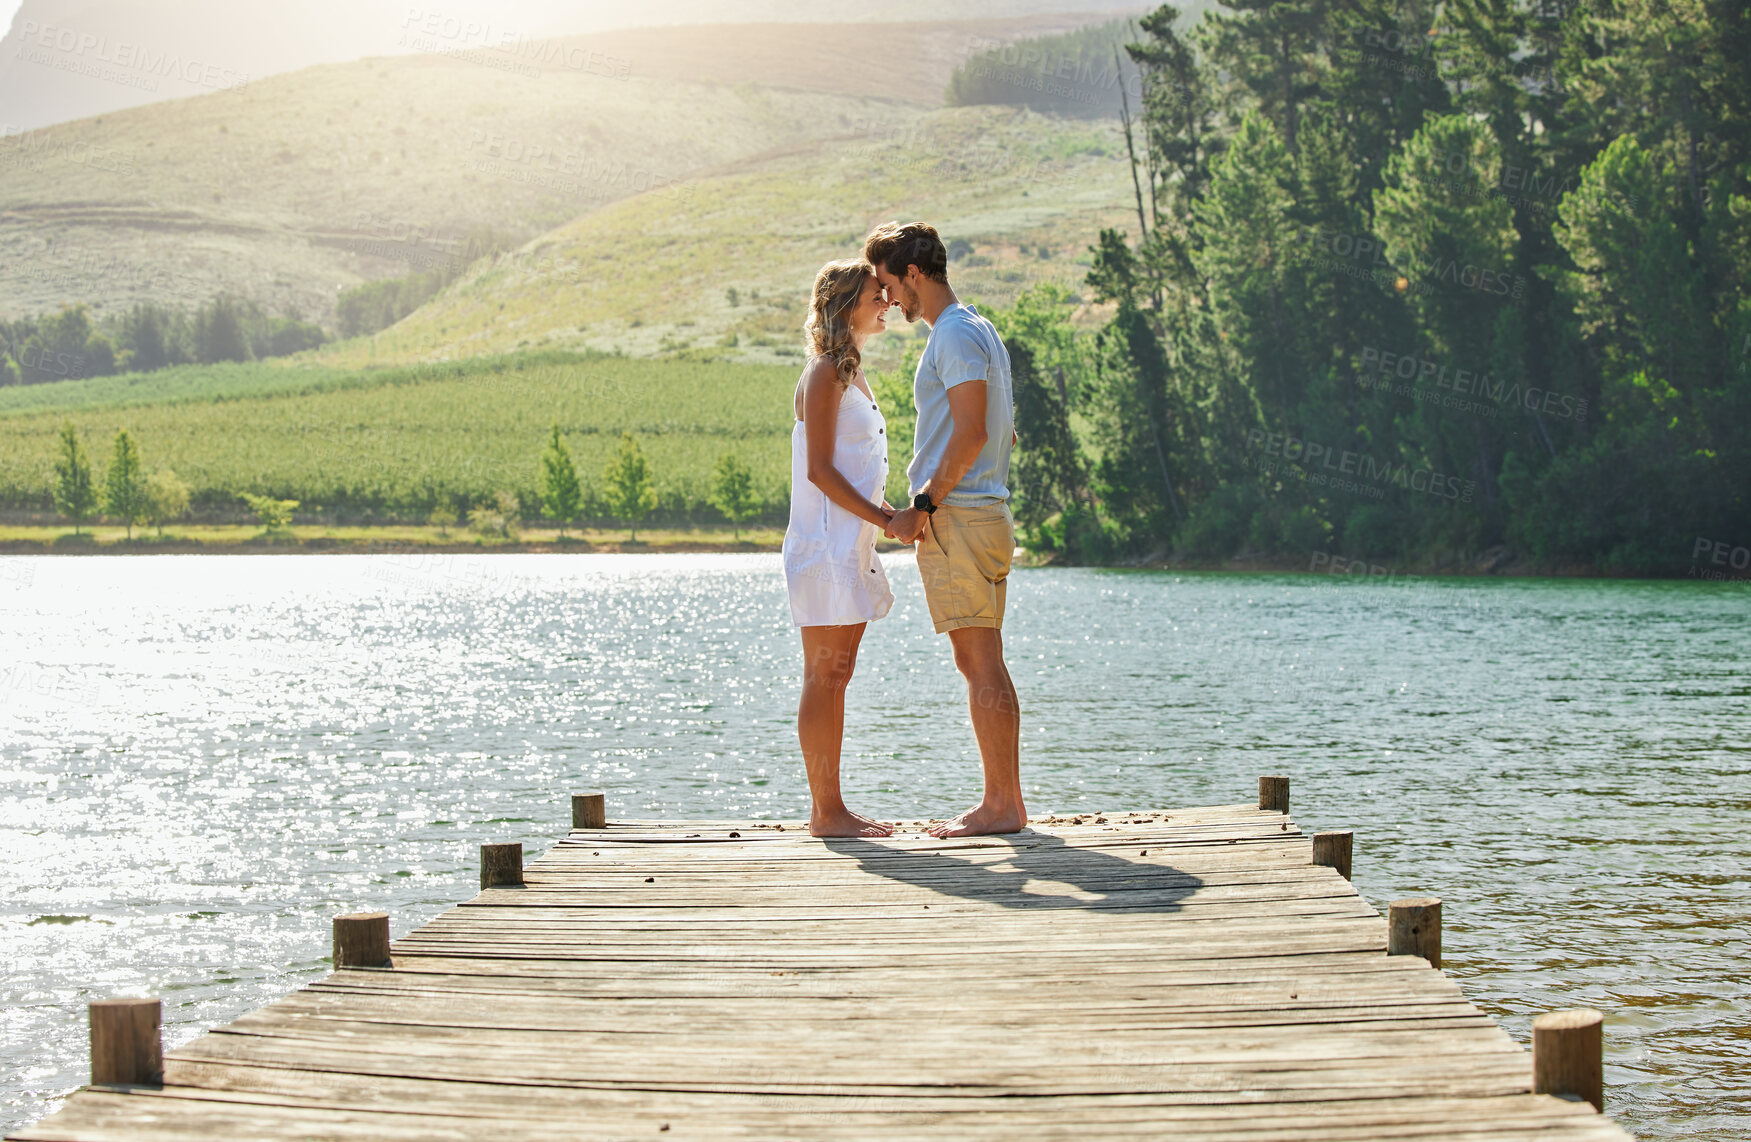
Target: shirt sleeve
[[961, 357]]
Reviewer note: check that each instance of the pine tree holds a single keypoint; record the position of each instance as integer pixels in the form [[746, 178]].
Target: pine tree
[[220, 334], [1454, 249], [1636, 289], [146, 339], [75, 494], [561, 496], [125, 484], [1273, 50], [1049, 474], [1383, 78], [732, 491], [627, 481], [1250, 237]]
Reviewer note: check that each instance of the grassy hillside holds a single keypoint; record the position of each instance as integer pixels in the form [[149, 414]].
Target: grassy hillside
[[724, 265], [232, 381], [395, 442], [55, 81], [289, 188]]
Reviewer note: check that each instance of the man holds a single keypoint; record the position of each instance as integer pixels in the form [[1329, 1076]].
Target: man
[[959, 517]]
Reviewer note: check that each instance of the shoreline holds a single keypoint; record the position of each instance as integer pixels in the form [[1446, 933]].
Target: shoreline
[[394, 539], [417, 539]]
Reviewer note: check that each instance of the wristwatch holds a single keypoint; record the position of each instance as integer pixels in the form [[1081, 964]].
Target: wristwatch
[[921, 503]]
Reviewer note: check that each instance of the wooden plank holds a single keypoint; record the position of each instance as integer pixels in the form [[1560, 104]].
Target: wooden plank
[[294, 1087], [116, 1116], [1183, 972]]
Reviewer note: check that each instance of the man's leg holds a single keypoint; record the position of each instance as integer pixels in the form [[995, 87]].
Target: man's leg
[[997, 724]]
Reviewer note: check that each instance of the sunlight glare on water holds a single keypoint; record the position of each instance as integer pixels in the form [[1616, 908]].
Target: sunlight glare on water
[[205, 759]]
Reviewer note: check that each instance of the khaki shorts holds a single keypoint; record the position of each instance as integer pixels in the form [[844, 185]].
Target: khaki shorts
[[963, 559]]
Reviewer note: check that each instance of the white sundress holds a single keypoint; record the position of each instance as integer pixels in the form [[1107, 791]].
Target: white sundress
[[830, 563]]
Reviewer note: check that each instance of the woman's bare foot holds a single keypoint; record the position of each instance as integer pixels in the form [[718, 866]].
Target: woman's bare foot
[[845, 823], [982, 819]]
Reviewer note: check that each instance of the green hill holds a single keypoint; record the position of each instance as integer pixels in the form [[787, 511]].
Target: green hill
[[290, 188], [723, 265]]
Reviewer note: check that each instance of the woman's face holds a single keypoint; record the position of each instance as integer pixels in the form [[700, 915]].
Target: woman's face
[[870, 315]]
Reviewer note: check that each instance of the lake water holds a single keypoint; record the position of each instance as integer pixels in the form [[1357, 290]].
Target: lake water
[[206, 758]]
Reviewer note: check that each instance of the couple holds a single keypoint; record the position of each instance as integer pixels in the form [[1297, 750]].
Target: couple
[[959, 516]]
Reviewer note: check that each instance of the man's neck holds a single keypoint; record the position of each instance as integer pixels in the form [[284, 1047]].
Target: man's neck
[[934, 298]]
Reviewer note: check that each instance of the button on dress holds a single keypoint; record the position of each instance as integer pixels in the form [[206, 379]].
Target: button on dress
[[830, 564]]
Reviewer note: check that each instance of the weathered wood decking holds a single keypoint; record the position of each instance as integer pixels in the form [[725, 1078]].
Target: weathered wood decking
[[1183, 974]]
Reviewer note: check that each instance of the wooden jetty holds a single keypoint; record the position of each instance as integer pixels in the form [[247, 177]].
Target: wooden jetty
[[1188, 973]]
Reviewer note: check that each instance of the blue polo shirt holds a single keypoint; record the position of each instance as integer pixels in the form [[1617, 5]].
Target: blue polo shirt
[[963, 347]]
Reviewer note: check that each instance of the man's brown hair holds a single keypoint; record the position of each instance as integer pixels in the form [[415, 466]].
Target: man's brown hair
[[893, 246]]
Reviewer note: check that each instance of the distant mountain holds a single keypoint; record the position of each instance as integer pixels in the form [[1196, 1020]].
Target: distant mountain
[[69, 59], [291, 188]]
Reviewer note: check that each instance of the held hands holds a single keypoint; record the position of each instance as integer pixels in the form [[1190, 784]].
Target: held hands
[[907, 525]]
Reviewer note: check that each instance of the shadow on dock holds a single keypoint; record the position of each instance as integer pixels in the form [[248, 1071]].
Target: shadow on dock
[[1100, 880]]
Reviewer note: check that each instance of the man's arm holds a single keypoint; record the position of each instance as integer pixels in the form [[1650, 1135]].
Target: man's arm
[[966, 407]]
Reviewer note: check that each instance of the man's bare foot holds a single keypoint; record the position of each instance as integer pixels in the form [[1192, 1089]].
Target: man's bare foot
[[982, 819], [847, 824]]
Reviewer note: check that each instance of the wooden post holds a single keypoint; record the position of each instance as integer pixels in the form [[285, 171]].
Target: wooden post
[[1413, 928], [1274, 794], [125, 1046], [589, 811], [362, 940], [501, 864], [1568, 1055], [1333, 850]]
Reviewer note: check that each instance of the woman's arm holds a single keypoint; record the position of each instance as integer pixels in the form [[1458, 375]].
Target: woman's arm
[[821, 397]]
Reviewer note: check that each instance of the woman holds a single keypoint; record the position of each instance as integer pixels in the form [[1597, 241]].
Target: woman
[[838, 468]]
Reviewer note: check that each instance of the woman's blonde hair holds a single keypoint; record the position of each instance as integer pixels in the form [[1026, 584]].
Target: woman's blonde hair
[[838, 287]]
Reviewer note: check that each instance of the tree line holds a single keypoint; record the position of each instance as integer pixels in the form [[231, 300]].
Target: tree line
[[1414, 282], [71, 343], [129, 496], [628, 494]]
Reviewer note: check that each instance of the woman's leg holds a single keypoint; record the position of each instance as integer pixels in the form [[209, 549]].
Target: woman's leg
[[829, 657]]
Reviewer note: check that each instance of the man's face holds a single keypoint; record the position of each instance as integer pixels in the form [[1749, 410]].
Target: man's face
[[899, 292]]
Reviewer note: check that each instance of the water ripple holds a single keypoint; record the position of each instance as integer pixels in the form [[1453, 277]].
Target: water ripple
[[203, 760]]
